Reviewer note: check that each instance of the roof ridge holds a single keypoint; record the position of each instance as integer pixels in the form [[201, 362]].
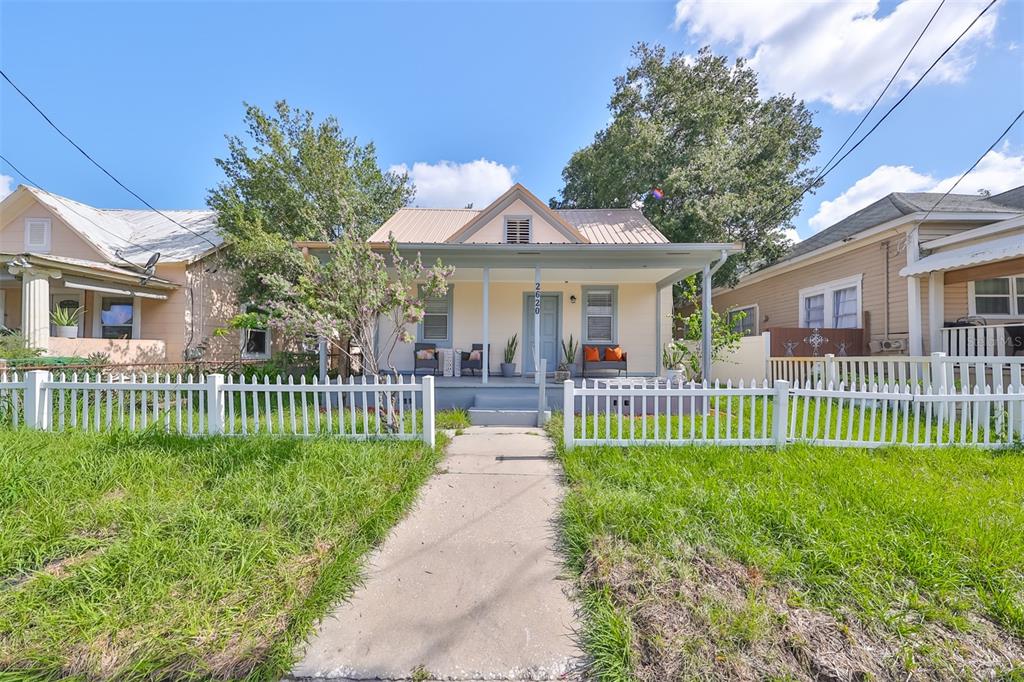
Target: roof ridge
[[437, 208]]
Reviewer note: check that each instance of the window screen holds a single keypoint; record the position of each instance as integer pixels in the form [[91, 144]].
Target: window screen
[[435, 319], [600, 315]]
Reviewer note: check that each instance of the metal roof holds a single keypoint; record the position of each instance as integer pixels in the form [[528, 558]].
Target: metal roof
[[991, 251], [134, 233], [600, 226]]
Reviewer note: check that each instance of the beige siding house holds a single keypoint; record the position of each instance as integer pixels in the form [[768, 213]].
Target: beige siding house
[[60, 253], [909, 269], [521, 268]]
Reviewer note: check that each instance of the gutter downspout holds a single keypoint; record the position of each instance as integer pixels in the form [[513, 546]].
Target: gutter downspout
[[705, 323]]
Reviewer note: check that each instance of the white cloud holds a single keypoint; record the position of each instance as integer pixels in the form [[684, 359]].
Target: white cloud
[[997, 172], [792, 235], [841, 53], [449, 184], [6, 185]]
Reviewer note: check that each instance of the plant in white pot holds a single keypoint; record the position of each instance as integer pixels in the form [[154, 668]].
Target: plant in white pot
[[65, 322], [674, 357], [508, 367]]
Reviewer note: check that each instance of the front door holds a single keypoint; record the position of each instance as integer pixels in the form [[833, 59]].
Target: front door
[[550, 316]]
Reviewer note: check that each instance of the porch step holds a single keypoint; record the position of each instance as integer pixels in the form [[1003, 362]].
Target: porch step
[[500, 400], [504, 417]]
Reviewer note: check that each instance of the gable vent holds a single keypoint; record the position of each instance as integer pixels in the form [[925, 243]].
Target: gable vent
[[37, 234], [517, 230]]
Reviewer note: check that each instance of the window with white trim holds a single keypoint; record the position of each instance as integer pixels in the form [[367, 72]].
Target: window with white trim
[[517, 229], [998, 296], [255, 341], [833, 305], [599, 315], [37, 234], [743, 320], [437, 318], [117, 317]]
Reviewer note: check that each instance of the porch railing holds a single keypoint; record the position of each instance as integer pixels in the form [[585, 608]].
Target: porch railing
[[990, 340]]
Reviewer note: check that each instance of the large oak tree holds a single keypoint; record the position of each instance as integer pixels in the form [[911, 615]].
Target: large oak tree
[[731, 164]]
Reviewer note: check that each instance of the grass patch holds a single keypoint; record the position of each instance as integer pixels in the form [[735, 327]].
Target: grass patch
[[718, 562], [151, 556], [455, 419]]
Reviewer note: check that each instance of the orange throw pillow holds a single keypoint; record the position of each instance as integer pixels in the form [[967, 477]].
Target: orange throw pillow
[[590, 354], [613, 354]]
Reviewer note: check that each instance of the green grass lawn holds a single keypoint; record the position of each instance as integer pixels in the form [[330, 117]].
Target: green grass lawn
[[730, 563], [150, 556]]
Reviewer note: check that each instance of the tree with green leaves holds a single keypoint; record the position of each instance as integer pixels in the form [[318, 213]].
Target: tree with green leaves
[[687, 351], [296, 179], [730, 164]]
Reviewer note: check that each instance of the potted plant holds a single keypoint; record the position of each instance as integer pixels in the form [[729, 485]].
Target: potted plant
[[65, 322], [508, 367], [674, 358], [562, 373], [569, 351]]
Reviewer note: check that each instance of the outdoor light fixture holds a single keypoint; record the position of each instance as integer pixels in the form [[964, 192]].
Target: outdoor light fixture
[[572, 299]]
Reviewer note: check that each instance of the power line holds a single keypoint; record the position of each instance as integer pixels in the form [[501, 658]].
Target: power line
[[973, 165], [71, 208], [884, 90], [886, 115], [98, 165]]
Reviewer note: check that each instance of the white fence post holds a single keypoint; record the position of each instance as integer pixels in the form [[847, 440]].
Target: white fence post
[[215, 404], [35, 404], [568, 413], [428, 411], [780, 415], [831, 373], [938, 370]]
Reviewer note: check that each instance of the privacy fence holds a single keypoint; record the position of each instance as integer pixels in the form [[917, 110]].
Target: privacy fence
[[215, 404], [659, 411]]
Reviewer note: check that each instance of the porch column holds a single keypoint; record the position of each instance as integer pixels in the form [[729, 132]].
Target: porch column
[[35, 304], [487, 324], [914, 298], [657, 330], [936, 310], [705, 324], [536, 325]]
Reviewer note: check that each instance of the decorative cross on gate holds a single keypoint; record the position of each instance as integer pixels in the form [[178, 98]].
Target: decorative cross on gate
[[816, 341]]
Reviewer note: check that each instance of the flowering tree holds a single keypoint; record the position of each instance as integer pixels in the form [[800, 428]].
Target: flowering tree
[[688, 352], [348, 293]]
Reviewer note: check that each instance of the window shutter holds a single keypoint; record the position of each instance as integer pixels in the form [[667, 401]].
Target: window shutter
[[435, 319], [517, 230]]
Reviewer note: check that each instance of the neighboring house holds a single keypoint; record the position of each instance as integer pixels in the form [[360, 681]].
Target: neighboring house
[[603, 276], [907, 270], [61, 253]]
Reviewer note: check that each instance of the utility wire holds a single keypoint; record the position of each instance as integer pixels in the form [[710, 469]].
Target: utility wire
[[878, 99], [98, 165], [886, 115], [973, 165], [71, 208]]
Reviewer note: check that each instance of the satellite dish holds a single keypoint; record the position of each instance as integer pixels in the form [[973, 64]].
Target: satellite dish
[[151, 263]]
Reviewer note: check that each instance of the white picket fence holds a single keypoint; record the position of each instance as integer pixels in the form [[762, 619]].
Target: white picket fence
[[938, 370], [660, 411], [216, 404]]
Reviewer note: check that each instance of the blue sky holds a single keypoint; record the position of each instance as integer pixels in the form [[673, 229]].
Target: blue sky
[[499, 91]]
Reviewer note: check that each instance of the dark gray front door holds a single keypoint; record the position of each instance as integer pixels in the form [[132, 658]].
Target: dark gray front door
[[550, 317]]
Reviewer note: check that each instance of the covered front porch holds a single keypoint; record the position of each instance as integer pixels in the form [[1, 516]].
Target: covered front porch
[[109, 302], [973, 283], [541, 294]]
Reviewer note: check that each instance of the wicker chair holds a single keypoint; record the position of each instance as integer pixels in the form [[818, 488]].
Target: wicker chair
[[431, 364], [475, 365]]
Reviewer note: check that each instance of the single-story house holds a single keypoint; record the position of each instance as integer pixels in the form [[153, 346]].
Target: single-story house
[[60, 253], [913, 270], [603, 276]]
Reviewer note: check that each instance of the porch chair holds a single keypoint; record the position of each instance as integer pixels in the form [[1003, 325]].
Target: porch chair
[[478, 364], [425, 363]]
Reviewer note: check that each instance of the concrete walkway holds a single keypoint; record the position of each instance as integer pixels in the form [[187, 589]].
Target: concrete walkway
[[468, 586]]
